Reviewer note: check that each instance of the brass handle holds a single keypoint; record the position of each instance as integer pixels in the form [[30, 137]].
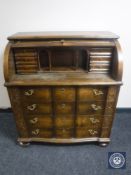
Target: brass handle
[[62, 41], [93, 120], [35, 132], [63, 105], [29, 92], [95, 107], [97, 92], [92, 132], [62, 89], [34, 120], [31, 107]]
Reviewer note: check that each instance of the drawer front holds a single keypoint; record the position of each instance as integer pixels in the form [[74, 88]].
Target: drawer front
[[25, 52], [83, 132], [88, 121], [42, 94], [38, 108], [41, 133], [64, 108], [64, 121], [64, 133], [65, 94], [40, 121], [90, 108], [91, 93]]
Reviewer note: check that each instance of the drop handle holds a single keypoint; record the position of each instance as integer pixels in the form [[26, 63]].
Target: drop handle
[[29, 92], [62, 89], [62, 41], [32, 107], [34, 120], [63, 105], [35, 132], [93, 120], [95, 107], [63, 130], [92, 132], [97, 92]]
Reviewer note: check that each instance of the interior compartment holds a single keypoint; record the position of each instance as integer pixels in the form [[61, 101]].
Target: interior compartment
[[63, 59], [44, 59]]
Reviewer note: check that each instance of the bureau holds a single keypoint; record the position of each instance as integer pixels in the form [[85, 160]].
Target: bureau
[[63, 86]]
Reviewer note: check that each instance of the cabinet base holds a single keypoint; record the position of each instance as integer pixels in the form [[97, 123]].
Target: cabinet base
[[26, 141], [23, 144], [104, 144]]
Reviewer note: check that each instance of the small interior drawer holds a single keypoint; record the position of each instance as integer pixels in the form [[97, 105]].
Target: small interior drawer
[[25, 52]]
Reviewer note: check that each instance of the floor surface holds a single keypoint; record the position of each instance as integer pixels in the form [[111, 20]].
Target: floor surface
[[43, 159]]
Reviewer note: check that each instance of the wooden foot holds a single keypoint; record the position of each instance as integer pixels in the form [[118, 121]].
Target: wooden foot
[[23, 144], [103, 144]]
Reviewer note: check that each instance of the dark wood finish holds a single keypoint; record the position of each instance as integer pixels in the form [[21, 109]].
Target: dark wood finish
[[63, 87]]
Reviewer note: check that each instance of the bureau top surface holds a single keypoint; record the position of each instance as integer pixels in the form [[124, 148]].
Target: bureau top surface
[[63, 35], [63, 79]]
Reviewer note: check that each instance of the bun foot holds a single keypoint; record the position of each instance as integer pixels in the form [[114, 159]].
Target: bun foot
[[104, 144], [23, 144]]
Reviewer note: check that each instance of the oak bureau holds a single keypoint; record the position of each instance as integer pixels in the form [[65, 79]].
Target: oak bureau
[[63, 86]]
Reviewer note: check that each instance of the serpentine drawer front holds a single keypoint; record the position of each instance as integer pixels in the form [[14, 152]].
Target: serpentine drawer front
[[63, 87]]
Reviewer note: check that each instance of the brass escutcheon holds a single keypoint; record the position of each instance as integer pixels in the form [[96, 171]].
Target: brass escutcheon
[[97, 92], [29, 92]]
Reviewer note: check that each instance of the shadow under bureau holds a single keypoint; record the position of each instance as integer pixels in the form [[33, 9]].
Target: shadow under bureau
[[63, 86]]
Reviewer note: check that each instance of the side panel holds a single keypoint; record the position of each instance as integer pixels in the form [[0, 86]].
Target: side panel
[[110, 109], [14, 95]]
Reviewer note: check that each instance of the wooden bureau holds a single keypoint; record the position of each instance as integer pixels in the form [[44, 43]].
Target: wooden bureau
[[63, 86]]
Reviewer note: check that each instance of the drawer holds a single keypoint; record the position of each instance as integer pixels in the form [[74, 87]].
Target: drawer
[[38, 108], [40, 121], [88, 121], [33, 94], [64, 108], [66, 94], [41, 133], [25, 52], [64, 133], [90, 108], [91, 93], [83, 132], [64, 121]]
